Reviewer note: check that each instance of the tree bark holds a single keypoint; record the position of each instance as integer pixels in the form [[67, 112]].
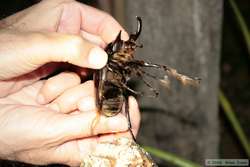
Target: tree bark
[[186, 36]]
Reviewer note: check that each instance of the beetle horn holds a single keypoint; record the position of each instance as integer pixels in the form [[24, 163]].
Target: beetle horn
[[138, 32], [117, 43], [118, 37]]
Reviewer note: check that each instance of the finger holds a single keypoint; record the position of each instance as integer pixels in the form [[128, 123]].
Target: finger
[[113, 136], [93, 38], [81, 95], [46, 47], [100, 23], [75, 50], [13, 85], [87, 124], [87, 104], [56, 85], [72, 152], [24, 97], [135, 123], [135, 115]]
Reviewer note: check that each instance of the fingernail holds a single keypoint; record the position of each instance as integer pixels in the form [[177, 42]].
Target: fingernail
[[54, 106], [40, 99], [118, 123], [86, 104], [97, 57]]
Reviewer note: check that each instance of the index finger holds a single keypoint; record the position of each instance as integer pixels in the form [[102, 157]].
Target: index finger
[[100, 23]]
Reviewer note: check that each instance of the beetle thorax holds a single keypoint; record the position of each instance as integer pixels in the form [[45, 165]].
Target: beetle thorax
[[122, 57]]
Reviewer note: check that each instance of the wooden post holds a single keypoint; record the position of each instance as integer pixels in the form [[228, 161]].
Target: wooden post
[[184, 35]]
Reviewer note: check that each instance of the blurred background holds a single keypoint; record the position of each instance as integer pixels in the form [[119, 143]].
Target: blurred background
[[208, 39]]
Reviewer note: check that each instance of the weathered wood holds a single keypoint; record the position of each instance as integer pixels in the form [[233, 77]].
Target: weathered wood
[[184, 35]]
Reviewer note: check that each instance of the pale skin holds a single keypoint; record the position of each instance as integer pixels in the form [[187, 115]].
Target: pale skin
[[49, 121]]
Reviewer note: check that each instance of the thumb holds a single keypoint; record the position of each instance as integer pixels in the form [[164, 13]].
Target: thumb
[[24, 52]]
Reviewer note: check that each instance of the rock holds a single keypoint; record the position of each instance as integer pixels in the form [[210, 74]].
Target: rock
[[122, 152]]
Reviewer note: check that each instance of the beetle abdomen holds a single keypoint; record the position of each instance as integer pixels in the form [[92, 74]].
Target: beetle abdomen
[[113, 99]]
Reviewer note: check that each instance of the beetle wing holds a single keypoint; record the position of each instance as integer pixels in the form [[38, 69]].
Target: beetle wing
[[99, 78], [109, 96]]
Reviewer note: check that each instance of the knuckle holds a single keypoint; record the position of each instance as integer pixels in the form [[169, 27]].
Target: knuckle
[[75, 46], [76, 40], [108, 18], [89, 86], [50, 85], [71, 77]]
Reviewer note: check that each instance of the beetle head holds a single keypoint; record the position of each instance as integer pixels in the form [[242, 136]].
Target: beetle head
[[129, 46]]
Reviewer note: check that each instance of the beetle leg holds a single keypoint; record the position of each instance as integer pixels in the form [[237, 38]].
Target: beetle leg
[[109, 68], [185, 80], [131, 90], [128, 117], [156, 93], [120, 84], [139, 74], [149, 75]]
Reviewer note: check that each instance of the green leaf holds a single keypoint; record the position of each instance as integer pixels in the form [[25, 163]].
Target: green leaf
[[242, 23], [229, 113], [171, 158]]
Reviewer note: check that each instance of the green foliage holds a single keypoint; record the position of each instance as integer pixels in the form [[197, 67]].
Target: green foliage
[[230, 115], [224, 102], [171, 158], [242, 23]]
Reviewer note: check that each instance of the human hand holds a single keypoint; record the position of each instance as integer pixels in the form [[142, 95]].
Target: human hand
[[42, 133], [31, 39], [53, 31]]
